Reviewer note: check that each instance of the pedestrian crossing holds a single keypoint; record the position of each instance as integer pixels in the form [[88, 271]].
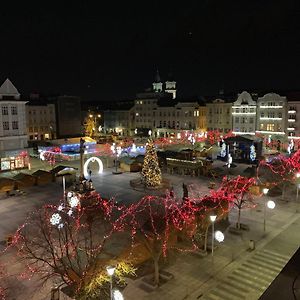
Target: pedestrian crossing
[[250, 279]]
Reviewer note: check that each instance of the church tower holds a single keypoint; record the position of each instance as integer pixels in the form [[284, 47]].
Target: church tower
[[157, 84], [171, 86]]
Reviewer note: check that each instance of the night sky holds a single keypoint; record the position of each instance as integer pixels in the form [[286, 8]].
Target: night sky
[[110, 52]]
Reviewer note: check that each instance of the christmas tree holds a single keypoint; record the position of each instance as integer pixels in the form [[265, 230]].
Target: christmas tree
[[151, 174]]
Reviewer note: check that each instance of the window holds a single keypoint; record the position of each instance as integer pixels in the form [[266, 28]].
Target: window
[[154, 114], [251, 120], [30, 129], [178, 114], [280, 115], [270, 127], [262, 115], [5, 125], [14, 110], [15, 125], [242, 120], [271, 114], [237, 119], [4, 110]]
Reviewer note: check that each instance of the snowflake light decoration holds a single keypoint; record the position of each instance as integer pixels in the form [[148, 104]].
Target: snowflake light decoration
[[73, 201], [60, 208], [55, 219], [70, 194], [70, 212], [252, 153]]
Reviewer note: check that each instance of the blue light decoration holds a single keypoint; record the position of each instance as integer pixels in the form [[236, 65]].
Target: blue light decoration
[[223, 149], [252, 153]]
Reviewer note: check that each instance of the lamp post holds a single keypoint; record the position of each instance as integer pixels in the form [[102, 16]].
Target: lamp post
[[110, 271], [268, 204], [212, 219], [265, 192]]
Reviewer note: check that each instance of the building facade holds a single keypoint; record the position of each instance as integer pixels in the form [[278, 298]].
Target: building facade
[[41, 121], [13, 118], [13, 137], [219, 115], [293, 119], [244, 115], [68, 116], [271, 116]]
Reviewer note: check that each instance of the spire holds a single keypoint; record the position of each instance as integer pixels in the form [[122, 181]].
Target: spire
[[157, 77]]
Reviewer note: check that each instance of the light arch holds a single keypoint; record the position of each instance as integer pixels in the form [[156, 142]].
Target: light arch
[[92, 159]]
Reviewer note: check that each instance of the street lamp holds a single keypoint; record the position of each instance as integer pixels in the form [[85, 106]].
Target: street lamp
[[212, 219], [117, 150], [268, 204], [110, 271]]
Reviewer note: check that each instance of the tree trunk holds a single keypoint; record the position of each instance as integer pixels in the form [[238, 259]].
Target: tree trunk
[[156, 270], [239, 220]]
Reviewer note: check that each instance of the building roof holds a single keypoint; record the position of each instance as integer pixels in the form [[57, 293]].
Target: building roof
[[8, 89]]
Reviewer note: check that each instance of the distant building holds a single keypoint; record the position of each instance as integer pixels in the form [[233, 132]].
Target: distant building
[[219, 115], [293, 115], [13, 118], [244, 115], [272, 115], [68, 116], [41, 121], [13, 137]]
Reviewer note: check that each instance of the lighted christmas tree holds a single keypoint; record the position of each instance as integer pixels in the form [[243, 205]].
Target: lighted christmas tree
[[151, 174]]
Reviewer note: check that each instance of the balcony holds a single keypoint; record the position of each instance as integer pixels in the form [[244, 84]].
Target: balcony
[[291, 120], [292, 112]]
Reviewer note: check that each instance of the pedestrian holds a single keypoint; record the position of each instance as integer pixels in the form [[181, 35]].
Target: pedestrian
[[172, 192]]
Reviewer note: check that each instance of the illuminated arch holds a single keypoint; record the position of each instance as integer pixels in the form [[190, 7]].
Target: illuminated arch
[[92, 159]]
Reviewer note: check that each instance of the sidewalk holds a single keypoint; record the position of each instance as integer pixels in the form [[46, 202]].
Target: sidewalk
[[236, 273]]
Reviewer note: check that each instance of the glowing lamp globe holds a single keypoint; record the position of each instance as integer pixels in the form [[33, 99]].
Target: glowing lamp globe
[[271, 204], [265, 191], [110, 270], [298, 175], [213, 218], [219, 236]]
